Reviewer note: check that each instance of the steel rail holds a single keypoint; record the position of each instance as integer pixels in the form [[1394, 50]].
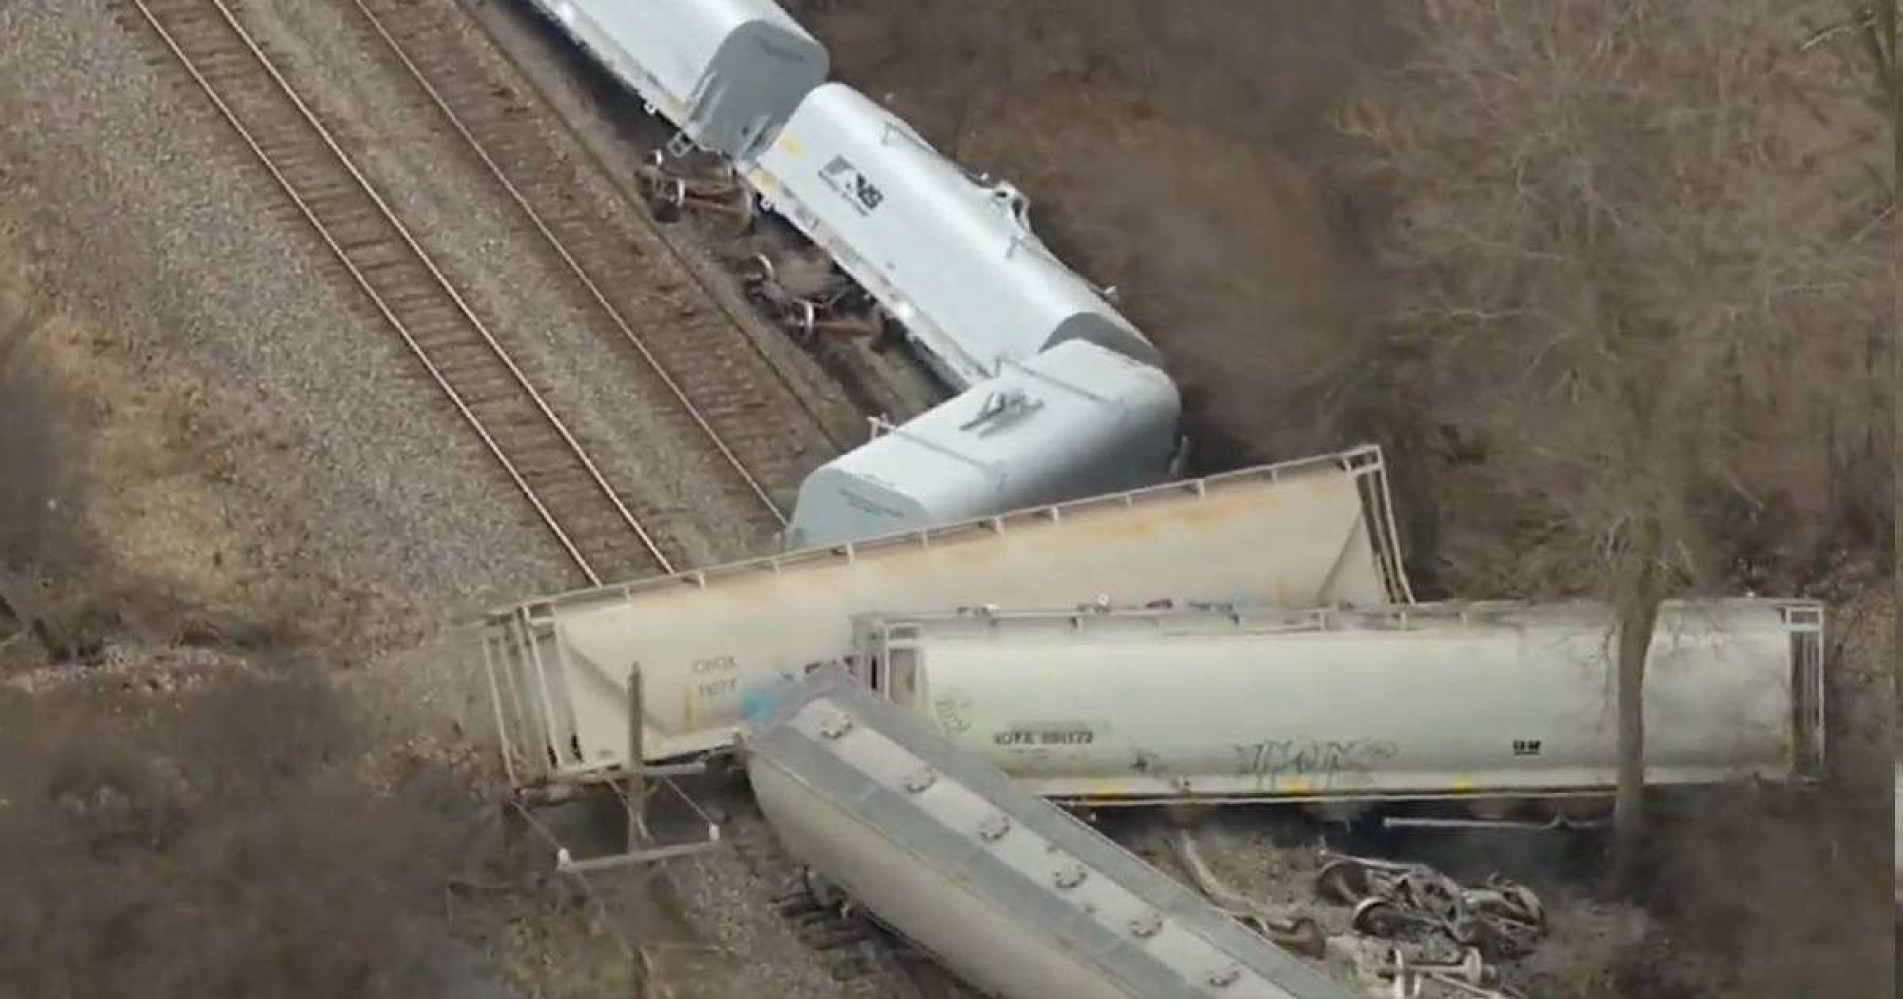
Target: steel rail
[[580, 273], [357, 274]]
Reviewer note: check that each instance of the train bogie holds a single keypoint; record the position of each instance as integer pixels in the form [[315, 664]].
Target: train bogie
[[1474, 701], [1076, 420], [1007, 891], [727, 73], [709, 640], [952, 258]]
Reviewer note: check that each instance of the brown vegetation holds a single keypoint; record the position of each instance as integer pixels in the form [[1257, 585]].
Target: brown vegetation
[[178, 821], [1648, 232], [216, 844], [1631, 225]]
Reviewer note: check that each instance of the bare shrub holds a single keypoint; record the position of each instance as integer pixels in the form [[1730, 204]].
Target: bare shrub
[[219, 848], [1640, 264], [1617, 283]]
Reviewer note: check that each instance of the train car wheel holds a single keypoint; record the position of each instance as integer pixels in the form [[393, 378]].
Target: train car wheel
[[1379, 918], [1342, 881]]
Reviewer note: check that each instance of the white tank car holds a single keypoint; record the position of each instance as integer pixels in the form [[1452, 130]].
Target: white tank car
[[1076, 420], [1314, 531], [1005, 890], [727, 73], [953, 259], [1498, 700]]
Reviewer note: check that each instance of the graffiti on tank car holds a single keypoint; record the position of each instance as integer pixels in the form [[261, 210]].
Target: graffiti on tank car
[[1312, 758], [950, 709]]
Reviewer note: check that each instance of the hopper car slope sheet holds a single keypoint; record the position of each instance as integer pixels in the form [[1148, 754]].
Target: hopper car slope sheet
[[1005, 889]]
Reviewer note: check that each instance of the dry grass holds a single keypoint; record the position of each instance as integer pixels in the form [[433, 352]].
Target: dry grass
[[183, 821], [145, 498], [210, 844]]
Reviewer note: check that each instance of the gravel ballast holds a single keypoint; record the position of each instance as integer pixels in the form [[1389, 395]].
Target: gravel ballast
[[144, 211]]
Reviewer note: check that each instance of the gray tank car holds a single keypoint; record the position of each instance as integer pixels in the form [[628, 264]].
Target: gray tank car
[[1005, 890], [952, 258], [1313, 531], [1435, 701], [1076, 420], [727, 73]]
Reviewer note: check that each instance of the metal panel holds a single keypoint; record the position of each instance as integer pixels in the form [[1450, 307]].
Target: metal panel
[[1076, 420], [1007, 890], [1293, 534], [1448, 700], [1896, 823], [952, 259], [728, 73], [1806, 624]]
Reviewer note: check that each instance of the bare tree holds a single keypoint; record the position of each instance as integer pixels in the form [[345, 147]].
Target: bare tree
[[1628, 268]]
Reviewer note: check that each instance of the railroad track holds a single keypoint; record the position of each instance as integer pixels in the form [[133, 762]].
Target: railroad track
[[608, 533], [459, 352], [856, 953], [601, 531], [723, 390]]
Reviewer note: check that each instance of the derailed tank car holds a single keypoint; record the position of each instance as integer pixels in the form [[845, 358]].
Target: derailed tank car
[[1075, 420], [1464, 700], [953, 259], [1314, 531], [1007, 891], [727, 73]]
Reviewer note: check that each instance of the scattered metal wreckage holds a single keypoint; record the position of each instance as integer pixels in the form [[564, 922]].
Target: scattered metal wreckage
[[1393, 902], [1298, 934], [1400, 900]]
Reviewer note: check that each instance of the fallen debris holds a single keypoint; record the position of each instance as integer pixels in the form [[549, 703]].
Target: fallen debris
[[1296, 933], [1391, 900]]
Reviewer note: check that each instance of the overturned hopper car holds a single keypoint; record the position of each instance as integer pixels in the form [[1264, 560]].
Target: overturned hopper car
[[1437, 701], [1008, 891], [1076, 420], [1300, 533]]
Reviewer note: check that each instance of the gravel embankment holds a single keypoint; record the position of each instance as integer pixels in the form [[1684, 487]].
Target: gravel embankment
[[615, 130], [597, 384], [146, 213]]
